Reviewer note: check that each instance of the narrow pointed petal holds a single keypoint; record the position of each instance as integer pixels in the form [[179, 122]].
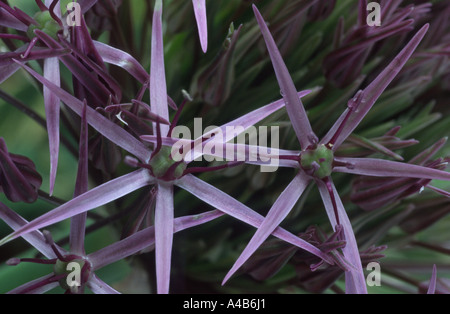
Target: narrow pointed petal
[[84, 76], [238, 126], [52, 109], [9, 21], [353, 116], [7, 70], [15, 222], [145, 238], [255, 116], [432, 285], [104, 126], [236, 209], [200, 17], [294, 106], [8, 67], [276, 215], [387, 168], [122, 59], [164, 216], [439, 191], [37, 286], [158, 88], [355, 280], [254, 155], [98, 286], [94, 198], [78, 223]]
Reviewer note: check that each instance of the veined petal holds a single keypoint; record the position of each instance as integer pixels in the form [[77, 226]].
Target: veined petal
[[351, 117], [238, 126], [10, 21], [255, 116], [355, 281], [387, 168], [7, 70], [104, 126], [36, 239], [200, 17], [432, 285], [51, 101], [78, 222], [236, 209], [37, 286], [84, 76], [98, 286], [251, 154], [158, 88], [294, 106], [145, 238], [122, 59], [276, 215], [94, 198], [164, 216]]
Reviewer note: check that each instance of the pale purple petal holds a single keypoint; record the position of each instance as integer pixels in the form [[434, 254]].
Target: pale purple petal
[[353, 116], [9, 21], [35, 287], [158, 88], [280, 209], [164, 216], [387, 168], [236, 209], [36, 239], [294, 106], [98, 286], [6, 71], [87, 77], [104, 126], [122, 59], [51, 101], [354, 278], [200, 17], [237, 126], [255, 155], [439, 191], [94, 198], [255, 116], [78, 222], [432, 285], [145, 238]]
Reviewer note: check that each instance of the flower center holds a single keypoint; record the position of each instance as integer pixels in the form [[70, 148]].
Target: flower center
[[318, 162], [75, 273], [164, 167]]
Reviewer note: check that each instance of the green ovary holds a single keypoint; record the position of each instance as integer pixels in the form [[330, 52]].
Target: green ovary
[[162, 162], [322, 156], [46, 24], [60, 268]]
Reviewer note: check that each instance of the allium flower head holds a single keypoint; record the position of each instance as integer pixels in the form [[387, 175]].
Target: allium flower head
[[120, 84]]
